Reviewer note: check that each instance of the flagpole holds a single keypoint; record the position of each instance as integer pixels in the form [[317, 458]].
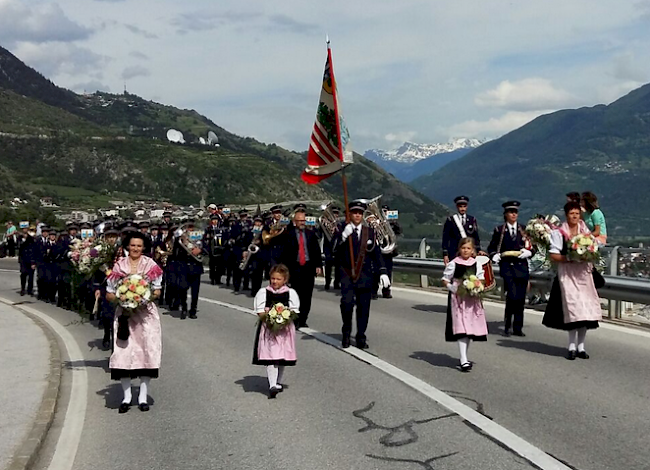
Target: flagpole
[[341, 156]]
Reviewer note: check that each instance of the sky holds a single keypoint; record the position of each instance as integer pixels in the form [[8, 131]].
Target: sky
[[424, 71]]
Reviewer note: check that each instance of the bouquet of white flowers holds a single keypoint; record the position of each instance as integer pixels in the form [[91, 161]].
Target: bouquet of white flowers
[[583, 248], [471, 286], [132, 291], [279, 317], [539, 230]]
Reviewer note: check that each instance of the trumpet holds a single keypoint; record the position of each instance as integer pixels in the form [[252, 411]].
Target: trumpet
[[252, 249]]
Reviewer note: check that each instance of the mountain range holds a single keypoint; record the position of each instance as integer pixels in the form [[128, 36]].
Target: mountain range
[[411, 160], [604, 149], [87, 149]]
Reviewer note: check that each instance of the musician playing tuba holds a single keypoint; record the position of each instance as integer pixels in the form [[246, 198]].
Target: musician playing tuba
[[273, 237], [329, 226]]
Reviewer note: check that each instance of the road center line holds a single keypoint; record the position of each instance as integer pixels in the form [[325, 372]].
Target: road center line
[[73, 422], [513, 442]]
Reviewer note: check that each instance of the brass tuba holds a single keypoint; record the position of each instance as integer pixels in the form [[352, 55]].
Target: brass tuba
[[275, 229], [183, 235], [329, 223], [384, 234]]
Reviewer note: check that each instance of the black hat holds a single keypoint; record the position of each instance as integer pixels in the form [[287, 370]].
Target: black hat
[[461, 200], [128, 228], [243, 211], [214, 217], [167, 214], [258, 218], [45, 228], [299, 207], [144, 224], [511, 206], [111, 231], [358, 206], [163, 227], [72, 226], [385, 207], [154, 227], [85, 226], [336, 209], [276, 208], [220, 206]]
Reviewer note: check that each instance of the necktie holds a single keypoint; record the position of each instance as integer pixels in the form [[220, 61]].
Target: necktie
[[463, 220], [513, 234], [302, 259]]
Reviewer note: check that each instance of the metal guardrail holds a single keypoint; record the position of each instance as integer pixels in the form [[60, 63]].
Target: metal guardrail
[[617, 288]]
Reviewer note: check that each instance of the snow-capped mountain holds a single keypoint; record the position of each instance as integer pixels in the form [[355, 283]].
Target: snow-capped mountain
[[410, 153]]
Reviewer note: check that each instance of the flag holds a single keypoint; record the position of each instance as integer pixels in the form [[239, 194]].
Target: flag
[[329, 145]]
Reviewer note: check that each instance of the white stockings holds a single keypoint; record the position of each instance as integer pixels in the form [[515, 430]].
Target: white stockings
[[144, 390], [577, 336], [463, 345], [275, 374]]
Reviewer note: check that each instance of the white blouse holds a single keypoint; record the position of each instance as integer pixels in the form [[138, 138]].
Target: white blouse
[[557, 242], [260, 300], [448, 273]]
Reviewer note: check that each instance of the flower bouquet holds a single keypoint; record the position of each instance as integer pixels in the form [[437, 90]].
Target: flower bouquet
[[539, 230], [583, 248], [279, 317], [88, 256], [132, 291], [471, 286]]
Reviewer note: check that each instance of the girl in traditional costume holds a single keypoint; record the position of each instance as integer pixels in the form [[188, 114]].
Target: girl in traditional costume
[[465, 314], [275, 350], [141, 353], [574, 305]]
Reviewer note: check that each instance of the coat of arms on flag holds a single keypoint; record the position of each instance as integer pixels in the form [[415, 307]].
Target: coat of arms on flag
[[329, 146]]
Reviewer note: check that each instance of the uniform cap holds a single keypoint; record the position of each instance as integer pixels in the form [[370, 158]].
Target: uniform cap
[[511, 206], [461, 200], [276, 208], [358, 206]]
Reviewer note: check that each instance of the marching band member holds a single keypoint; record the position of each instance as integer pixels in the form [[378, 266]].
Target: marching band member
[[257, 264], [273, 248], [302, 255], [357, 289], [330, 258], [51, 269], [189, 271], [28, 258], [242, 238], [388, 258], [510, 249], [229, 260], [65, 267], [457, 227], [107, 309], [42, 242], [213, 241]]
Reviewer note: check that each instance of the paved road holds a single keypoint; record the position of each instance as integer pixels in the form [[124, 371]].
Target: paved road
[[211, 411]]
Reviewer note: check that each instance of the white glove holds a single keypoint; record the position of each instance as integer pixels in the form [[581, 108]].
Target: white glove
[[384, 281], [496, 258], [452, 288], [525, 254], [347, 231]]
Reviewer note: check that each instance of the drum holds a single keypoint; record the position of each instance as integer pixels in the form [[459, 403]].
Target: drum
[[490, 281]]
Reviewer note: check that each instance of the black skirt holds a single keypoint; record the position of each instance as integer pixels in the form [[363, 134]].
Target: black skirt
[[119, 374], [263, 362], [450, 337], [554, 313]]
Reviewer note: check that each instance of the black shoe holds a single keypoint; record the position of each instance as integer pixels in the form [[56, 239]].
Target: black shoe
[[273, 392], [183, 314], [362, 345], [22, 292], [213, 282], [337, 286], [466, 367], [106, 343], [571, 355], [124, 407], [91, 317], [345, 342], [374, 296], [386, 294], [583, 355], [506, 333], [519, 333], [327, 287], [304, 325], [192, 315], [143, 407]]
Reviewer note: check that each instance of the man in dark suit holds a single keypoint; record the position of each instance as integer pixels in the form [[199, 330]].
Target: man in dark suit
[[189, 271], [356, 287], [457, 227], [511, 249], [330, 258], [65, 267], [301, 254]]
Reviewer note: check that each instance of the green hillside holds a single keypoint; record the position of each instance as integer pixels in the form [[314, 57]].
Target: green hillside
[[605, 149], [86, 150]]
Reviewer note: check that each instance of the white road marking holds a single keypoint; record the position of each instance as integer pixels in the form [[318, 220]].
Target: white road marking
[[73, 422], [497, 432]]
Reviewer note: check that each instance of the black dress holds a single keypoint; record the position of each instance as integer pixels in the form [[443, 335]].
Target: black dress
[[459, 273], [554, 312], [271, 300]]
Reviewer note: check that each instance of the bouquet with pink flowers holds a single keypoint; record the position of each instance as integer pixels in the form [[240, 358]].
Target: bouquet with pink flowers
[[279, 317], [88, 256], [583, 248]]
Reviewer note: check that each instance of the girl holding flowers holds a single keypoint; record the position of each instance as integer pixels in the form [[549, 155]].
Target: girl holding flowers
[[275, 341], [574, 305], [463, 277], [137, 346]]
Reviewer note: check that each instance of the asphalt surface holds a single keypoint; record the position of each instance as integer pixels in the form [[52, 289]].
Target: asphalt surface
[[210, 410]]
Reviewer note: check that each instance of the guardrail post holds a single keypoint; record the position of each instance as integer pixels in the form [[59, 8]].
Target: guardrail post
[[613, 306], [424, 279]]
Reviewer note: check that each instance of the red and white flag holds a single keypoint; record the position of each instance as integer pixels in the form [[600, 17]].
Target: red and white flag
[[329, 146]]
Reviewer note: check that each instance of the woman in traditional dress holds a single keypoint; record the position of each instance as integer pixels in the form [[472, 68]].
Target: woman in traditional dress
[[465, 314], [574, 305], [275, 350], [140, 354], [594, 217]]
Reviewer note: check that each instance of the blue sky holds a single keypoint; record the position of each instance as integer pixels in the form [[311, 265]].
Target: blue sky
[[418, 70]]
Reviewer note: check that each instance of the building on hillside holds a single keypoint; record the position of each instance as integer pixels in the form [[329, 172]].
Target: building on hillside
[[47, 202], [82, 216]]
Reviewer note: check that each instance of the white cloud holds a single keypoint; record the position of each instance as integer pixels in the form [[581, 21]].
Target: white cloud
[[56, 58], [494, 127], [41, 22], [399, 137], [530, 94], [135, 71]]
